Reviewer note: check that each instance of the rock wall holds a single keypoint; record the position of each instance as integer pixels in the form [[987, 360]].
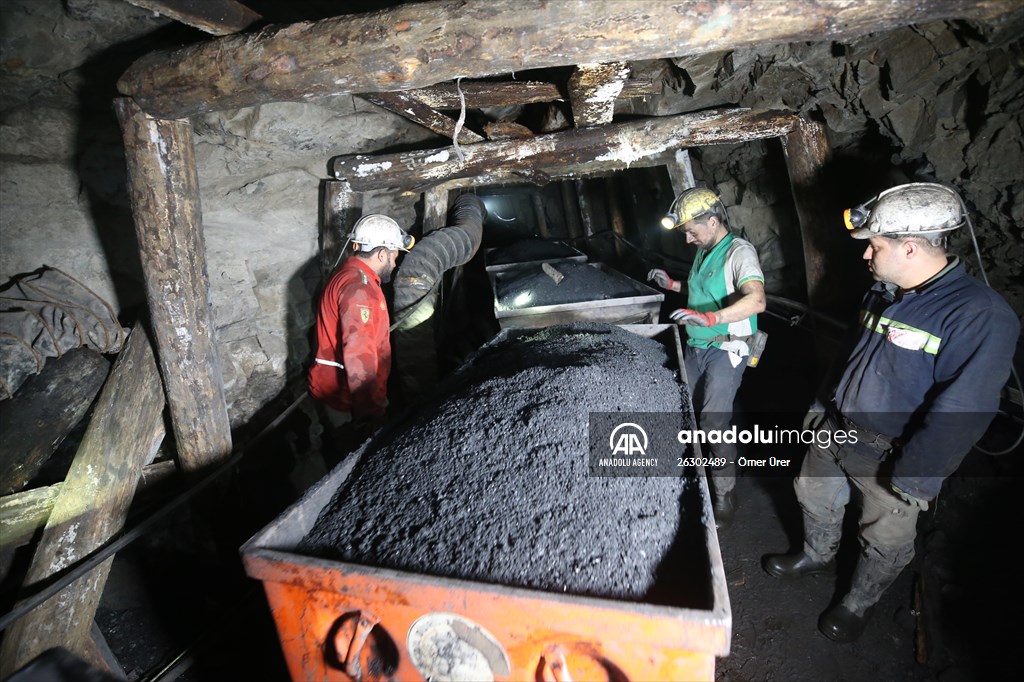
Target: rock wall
[[942, 102], [260, 175]]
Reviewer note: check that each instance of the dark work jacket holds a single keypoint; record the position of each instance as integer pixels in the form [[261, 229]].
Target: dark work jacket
[[927, 368]]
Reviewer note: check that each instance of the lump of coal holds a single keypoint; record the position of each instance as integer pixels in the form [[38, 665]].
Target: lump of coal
[[526, 250], [581, 282], [490, 481]]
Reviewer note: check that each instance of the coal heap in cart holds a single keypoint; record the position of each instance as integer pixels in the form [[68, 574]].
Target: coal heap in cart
[[472, 539]]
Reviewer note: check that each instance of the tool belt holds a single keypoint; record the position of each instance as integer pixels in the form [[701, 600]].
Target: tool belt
[[722, 338], [755, 344]]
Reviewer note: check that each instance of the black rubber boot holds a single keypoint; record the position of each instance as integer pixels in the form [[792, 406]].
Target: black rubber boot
[[871, 578], [796, 565], [842, 625], [724, 509]]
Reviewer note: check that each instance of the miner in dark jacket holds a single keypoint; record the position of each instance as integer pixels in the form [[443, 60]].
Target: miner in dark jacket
[[921, 383]]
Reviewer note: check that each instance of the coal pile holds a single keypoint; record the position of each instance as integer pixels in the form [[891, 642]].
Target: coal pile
[[490, 481], [526, 250], [531, 286]]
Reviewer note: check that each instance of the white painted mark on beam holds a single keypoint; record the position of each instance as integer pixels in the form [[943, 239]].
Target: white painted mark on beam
[[606, 92], [364, 169], [439, 157]]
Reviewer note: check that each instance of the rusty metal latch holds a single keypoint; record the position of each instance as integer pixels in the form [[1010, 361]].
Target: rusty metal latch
[[349, 641]]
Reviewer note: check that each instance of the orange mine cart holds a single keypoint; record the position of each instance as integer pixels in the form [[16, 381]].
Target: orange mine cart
[[342, 621]]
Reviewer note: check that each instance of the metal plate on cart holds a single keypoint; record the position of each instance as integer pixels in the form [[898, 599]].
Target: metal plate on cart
[[446, 647]]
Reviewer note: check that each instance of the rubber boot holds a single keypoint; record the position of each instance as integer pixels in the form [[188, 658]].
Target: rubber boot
[[871, 578], [821, 540]]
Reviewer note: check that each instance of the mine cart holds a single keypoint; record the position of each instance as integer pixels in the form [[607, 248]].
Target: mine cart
[[340, 621], [629, 301], [531, 252]]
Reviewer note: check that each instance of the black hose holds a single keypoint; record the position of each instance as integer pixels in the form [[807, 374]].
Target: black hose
[[439, 251]]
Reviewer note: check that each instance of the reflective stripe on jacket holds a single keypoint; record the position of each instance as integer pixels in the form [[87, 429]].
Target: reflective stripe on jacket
[[927, 367]]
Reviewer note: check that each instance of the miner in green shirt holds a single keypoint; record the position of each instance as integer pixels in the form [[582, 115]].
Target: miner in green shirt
[[725, 292]]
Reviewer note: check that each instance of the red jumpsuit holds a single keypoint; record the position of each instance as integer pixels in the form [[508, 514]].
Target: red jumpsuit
[[353, 359]]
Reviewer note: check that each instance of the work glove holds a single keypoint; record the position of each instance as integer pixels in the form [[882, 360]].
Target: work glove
[[692, 317], [661, 278], [815, 416], [908, 498]]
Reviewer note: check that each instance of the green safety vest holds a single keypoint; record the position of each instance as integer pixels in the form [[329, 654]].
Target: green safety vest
[[709, 288]]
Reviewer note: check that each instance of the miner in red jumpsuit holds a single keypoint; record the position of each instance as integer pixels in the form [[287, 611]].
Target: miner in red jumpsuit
[[350, 372]]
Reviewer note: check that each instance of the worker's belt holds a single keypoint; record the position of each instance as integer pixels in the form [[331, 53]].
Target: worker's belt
[[722, 338], [872, 439], [330, 363]]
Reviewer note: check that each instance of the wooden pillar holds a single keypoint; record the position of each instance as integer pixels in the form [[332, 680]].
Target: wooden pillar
[[587, 219], [415, 337], [47, 407], [538, 211], [592, 92], [680, 172], [571, 209], [435, 208], [341, 209], [586, 214], [124, 433], [615, 216], [807, 153], [164, 193]]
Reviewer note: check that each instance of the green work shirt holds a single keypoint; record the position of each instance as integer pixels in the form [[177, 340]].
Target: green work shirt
[[716, 275]]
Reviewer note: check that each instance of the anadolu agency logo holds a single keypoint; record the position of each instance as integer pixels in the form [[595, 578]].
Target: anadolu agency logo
[[628, 440]]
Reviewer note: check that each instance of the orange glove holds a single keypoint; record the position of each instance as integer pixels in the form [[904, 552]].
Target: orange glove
[[692, 317]]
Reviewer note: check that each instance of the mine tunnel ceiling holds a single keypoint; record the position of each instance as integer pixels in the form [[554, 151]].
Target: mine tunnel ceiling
[[422, 46], [517, 105]]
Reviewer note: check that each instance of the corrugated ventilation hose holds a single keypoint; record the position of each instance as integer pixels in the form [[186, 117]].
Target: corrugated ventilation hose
[[416, 291]]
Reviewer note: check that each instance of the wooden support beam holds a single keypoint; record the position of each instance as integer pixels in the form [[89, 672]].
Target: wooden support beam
[[44, 410], [98, 652], [615, 215], [124, 432], [341, 209], [507, 130], [680, 171], [484, 94], [24, 513], [541, 215], [593, 89], [571, 209], [218, 17], [416, 111], [807, 154], [586, 214], [435, 209], [602, 149], [414, 339], [419, 44], [164, 192]]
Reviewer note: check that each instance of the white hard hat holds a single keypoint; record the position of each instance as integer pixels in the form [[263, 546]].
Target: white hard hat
[[375, 230], [917, 208]]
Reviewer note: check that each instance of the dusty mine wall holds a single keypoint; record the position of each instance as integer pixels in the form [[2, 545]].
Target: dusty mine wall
[[943, 101]]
